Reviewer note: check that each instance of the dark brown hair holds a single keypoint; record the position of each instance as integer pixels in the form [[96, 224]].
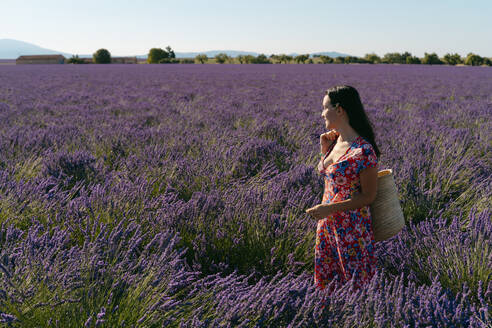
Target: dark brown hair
[[348, 98]]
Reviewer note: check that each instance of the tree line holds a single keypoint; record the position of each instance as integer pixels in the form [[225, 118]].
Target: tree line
[[389, 58], [167, 56]]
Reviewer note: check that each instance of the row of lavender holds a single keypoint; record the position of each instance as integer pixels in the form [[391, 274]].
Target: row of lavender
[[175, 196]]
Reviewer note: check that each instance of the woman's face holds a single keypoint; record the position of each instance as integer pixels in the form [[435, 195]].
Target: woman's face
[[329, 114]]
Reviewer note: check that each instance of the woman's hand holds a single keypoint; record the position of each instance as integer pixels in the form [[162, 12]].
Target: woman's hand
[[326, 139], [320, 211]]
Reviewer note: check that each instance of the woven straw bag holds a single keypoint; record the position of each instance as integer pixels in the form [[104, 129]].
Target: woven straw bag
[[387, 216]]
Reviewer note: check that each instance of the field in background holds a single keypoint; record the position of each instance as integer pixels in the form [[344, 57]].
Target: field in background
[[175, 194]]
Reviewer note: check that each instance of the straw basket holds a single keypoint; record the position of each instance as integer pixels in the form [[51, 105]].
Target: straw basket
[[387, 216]]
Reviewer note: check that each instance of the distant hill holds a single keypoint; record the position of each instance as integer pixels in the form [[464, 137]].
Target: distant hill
[[11, 49]]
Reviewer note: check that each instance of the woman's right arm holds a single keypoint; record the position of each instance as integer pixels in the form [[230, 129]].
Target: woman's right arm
[[320, 165], [326, 140]]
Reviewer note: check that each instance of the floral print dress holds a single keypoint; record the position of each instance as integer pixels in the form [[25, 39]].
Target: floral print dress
[[345, 240]]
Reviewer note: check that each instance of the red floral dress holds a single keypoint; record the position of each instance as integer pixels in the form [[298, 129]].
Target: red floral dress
[[345, 240]]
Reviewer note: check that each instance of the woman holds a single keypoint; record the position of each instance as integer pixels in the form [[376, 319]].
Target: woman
[[349, 157]]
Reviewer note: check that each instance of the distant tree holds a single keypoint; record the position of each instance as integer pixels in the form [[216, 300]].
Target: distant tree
[[354, 59], [186, 61], [301, 58], [283, 58], [276, 59], [169, 61], [372, 58], [390, 57], [170, 52], [326, 59], [473, 60], [260, 59], [155, 55], [404, 57], [339, 60], [101, 56], [394, 58], [349, 59], [240, 59], [249, 59], [487, 61], [75, 60], [221, 58], [431, 59], [452, 59], [310, 61], [413, 60], [158, 55], [201, 58]]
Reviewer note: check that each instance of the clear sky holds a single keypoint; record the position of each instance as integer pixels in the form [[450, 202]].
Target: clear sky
[[265, 26]]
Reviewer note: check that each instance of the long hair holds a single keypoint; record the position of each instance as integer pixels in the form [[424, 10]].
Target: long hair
[[348, 98]]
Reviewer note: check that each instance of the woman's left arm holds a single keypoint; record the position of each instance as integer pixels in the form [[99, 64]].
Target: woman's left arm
[[368, 184]]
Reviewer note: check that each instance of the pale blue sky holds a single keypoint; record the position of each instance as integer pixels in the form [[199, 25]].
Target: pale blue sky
[[355, 27]]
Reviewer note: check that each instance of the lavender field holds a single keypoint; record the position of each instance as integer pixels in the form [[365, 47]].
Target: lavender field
[[175, 196]]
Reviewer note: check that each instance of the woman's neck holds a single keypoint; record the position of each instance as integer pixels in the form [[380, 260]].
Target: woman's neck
[[347, 134]]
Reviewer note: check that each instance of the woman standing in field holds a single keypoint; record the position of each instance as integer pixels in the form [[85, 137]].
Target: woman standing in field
[[349, 157]]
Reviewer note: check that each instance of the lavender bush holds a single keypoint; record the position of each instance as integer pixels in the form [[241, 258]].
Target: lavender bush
[[174, 196]]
